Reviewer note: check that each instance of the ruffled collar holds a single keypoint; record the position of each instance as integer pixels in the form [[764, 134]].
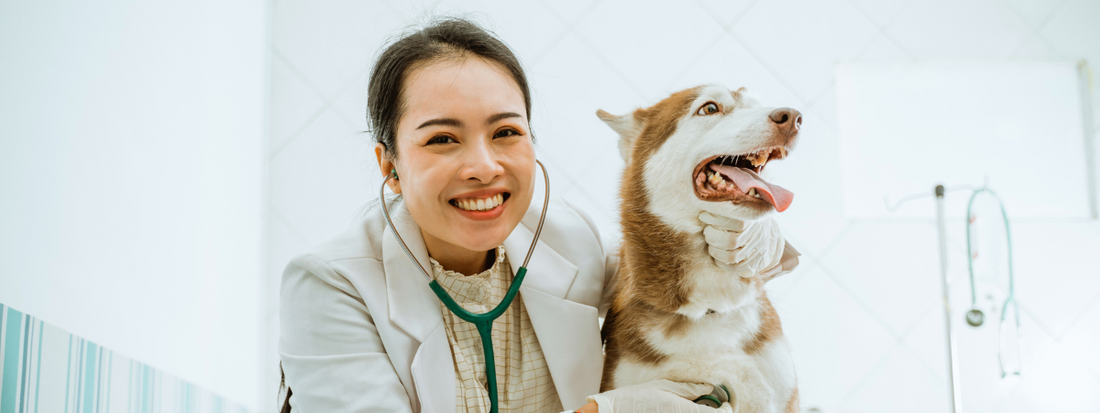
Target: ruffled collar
[[474, 288]]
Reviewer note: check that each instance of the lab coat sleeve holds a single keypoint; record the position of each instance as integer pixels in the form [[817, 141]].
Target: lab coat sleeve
[[611, 275], [331, 352]]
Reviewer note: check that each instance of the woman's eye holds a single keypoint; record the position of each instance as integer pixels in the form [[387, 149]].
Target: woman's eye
[[440, 139], [504, 133], [708, 109]]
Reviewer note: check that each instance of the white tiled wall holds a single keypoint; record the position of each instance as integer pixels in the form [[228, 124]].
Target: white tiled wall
[[863, 312]]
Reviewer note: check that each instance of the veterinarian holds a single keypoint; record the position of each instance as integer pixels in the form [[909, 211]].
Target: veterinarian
[[361, 331]]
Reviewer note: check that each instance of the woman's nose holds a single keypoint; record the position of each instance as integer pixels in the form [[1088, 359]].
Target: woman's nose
[[483, 164]]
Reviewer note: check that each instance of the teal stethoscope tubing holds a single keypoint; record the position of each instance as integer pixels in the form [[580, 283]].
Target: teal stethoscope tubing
[[1011, 299], [483, 322]]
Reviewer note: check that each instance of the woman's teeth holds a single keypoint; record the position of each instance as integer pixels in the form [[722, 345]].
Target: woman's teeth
[[480, 204]]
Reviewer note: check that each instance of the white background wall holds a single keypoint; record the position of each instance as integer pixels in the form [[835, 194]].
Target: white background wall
[[862, 312], [131, 174]]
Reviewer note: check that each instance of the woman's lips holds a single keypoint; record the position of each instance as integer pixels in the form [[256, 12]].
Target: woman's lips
[[481, 205], [482, 215]]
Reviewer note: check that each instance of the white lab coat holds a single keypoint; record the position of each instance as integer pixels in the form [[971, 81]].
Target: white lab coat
[[363, 332]]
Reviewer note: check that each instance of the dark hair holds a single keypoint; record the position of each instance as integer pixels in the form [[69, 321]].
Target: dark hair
[[447, 38]]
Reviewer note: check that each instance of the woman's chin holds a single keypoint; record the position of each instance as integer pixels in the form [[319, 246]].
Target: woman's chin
[[484, 236]]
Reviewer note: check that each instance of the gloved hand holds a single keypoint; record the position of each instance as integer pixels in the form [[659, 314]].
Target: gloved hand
[[657, 396], [747, 249]]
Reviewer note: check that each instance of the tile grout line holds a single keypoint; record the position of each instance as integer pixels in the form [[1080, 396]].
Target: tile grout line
[[277, 149], [768, 66], [696, 60], [569, 28], [866, 308]]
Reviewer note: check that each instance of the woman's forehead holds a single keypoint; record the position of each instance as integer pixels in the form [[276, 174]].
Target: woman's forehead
[[471, 87]]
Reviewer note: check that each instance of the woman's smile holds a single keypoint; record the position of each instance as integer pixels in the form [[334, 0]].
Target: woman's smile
[[481, 205]]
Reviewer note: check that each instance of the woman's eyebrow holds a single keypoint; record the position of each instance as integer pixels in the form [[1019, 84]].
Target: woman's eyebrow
[[458, 124], [502, 115], [441, 121]]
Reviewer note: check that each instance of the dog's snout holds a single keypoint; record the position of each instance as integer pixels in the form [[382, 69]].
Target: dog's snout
[[787, 119]]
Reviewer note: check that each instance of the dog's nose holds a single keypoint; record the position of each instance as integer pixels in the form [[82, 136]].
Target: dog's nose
[[788, 120]]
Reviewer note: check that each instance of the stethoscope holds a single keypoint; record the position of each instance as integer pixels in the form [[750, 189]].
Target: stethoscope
[[483, 322], [975, 317]]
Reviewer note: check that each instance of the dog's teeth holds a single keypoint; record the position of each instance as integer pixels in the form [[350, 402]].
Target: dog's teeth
[[752, 192], [757, 195], [759, 159]]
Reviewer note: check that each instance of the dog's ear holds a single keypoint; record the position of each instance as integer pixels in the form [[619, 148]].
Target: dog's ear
[[627, 126]]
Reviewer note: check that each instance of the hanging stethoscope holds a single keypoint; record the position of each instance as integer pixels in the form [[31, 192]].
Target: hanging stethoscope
[[483, 322], [975, 317]]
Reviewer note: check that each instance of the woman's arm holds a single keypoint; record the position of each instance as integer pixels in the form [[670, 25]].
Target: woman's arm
[[331, 351]]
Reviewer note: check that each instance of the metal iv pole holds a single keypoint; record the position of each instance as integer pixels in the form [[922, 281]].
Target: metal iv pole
[[952, 365]]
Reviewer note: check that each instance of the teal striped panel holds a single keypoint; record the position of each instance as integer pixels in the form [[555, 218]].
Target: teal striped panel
[[44, 369]]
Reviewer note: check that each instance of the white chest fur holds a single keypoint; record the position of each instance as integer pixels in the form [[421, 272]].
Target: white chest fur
[[724, 315]]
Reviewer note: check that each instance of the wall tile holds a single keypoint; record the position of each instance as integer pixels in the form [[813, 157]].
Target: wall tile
[[332, 42], [891, 267], [969, 29], [320, 180], [294, 103], [1034, 12], [563, 123], [1055, 266], [1058, 383], [801, 39], [726, 12], [881, 12], [902, 384], [529, 38], [1083, 339], [656, 51], [729, 64], [821, 319]]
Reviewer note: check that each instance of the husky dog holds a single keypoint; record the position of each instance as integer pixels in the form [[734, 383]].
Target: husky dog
[[677, 315]]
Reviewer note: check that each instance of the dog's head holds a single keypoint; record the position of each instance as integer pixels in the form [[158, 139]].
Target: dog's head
[[703, 149]]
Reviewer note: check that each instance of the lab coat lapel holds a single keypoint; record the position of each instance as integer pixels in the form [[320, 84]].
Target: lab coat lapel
[[567, 331], [414, 308], [434, 373], [412, 304]]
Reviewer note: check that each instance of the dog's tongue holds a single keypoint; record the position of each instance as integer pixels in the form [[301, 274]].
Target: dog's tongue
[[745, 179]]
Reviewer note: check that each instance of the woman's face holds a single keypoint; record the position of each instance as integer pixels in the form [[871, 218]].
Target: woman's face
[[465, 157]]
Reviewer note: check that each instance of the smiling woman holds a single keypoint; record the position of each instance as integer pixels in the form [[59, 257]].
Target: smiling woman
[[361, 331], [464, 141]]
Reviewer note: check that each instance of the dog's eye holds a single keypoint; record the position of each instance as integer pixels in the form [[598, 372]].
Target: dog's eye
[[708, 109]]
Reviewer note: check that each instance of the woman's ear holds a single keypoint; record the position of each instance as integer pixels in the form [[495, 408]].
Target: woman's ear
[[386, 166]]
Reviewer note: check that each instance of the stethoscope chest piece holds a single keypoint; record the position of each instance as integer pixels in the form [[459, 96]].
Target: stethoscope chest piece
[[975, 317], [720, 394]]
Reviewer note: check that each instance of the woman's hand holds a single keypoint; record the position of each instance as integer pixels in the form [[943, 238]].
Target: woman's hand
[[747, 249], [655, 396], [591, 407]]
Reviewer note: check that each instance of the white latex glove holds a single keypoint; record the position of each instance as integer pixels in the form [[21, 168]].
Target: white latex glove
[[657, 396], [746, 249]]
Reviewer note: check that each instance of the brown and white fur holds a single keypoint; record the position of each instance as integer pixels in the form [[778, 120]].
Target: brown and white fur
[[677, 315]]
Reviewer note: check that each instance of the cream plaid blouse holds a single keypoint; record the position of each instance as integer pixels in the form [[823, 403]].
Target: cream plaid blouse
[[523, 379]]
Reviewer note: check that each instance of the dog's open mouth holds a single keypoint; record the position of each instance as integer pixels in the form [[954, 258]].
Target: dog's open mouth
[[736, 178]]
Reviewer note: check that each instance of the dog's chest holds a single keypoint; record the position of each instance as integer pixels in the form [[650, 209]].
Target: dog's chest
[[709, 350]]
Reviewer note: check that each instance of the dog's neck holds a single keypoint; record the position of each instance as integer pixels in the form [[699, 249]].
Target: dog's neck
[[670, 269]]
